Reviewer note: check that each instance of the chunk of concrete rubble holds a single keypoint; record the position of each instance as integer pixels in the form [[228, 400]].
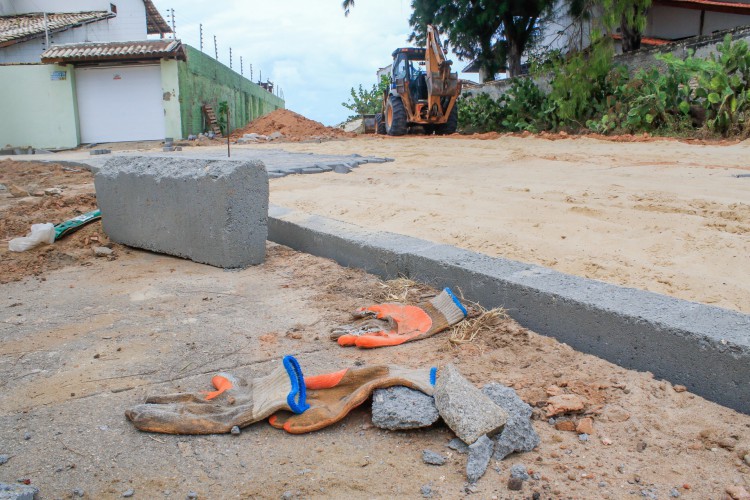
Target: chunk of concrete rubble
[[432, 458], [518, 435], [519, 471], [402, 408], [275, 135], [564, 403], [465, 409], [17, 492], [458, 445], [103, 251], [480, 454]]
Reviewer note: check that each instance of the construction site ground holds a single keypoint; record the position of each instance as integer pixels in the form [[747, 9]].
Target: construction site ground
[[85, 338]]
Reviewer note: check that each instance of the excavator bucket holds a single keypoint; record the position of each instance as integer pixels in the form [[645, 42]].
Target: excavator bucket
[[438, 86]]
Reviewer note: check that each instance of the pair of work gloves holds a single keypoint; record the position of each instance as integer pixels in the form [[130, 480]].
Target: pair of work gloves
[[298, 404], [307, 404]]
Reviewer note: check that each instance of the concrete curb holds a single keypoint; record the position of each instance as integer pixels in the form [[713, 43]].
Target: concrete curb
[[705, 348]]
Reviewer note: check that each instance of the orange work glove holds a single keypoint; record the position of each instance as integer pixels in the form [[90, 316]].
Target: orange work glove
[[393, 324], [333, 395], [236, 402]]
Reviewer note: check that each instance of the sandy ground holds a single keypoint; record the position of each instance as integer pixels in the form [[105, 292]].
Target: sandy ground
[[86, 343], [662, 215]]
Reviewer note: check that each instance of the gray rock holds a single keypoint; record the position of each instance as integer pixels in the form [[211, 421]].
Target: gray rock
[[518, 435], [129, 493], [464, 408], [78, 492], [4, 459], [53, 191], [401, 408], [426, 491], [288, 495], [17, 492], [275, 135], [583, 437], [480, 454], [673, 493], [103, 251], [235, 431], [341, 169], [432, 458], [458, 445], [27, 436], [519, 471], [192, 495]]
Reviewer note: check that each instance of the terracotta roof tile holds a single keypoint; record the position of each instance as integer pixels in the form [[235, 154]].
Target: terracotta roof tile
[[16, 29], [114, 51]]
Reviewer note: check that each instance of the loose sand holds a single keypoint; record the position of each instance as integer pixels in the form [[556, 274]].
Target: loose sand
[[663, 216]]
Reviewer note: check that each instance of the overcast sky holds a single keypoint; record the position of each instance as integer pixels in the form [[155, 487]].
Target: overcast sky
[[307, 47]]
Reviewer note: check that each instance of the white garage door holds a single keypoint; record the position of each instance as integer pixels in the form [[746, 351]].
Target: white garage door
[[120, 103]]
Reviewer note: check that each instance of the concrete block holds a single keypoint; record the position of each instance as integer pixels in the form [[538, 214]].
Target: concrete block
[[17, 492], [702, 347], [464, 408], [209, 211], [401, 408], [518, 434], [480, 454]]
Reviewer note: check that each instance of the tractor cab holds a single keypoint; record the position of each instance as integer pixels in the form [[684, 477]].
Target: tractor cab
[[409, 68]]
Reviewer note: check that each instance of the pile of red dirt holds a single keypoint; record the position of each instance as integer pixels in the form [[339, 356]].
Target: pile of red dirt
[[293, 126]]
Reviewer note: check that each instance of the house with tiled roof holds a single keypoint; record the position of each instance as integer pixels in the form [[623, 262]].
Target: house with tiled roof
[[93, 71]]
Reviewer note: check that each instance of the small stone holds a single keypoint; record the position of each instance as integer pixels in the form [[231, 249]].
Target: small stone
[[641, 446], [192, 495], [78, 492], [515, 484], [432, 458], [402, 408], [583, 437], [464, 408], [26, 436], [519, 471], [288, 495], [458, 445], [585, 426], [602, 484], [565, 425], [426, 491], [275, 135], [129, 493], [53, 191], [606, 441], [747, 459], [103, 251], [564, 403], [235, 431], [673, 493], [480, 454], [4, 459], [518, 435], [17, 192], [18, 491], [679, 388]]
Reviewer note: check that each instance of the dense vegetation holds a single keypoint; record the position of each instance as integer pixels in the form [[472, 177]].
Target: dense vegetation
[[588, 92]]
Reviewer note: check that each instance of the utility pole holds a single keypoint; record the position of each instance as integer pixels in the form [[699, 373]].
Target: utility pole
[[216, 49], [174, 30], [201, 32], [251, 72], [241, 69], [230, 57], [46, 30]]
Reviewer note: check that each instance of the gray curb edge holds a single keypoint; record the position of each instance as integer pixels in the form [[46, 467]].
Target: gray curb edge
[[705, 348]]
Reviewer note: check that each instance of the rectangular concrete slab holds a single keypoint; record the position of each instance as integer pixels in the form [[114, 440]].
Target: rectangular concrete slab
[[209, 211], [705, 348]]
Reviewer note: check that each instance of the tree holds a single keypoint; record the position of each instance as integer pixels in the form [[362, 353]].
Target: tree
[[347, 6], [495, 33], [367, 102], [631, 17]]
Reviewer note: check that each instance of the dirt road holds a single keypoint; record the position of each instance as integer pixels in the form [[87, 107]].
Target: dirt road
[[663, 216]]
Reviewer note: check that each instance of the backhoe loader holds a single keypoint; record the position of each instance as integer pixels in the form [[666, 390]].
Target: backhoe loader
[[423, 91]]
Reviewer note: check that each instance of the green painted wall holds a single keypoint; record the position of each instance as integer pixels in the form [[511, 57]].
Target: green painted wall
[[36, 110], [204, 80], [170, 88]]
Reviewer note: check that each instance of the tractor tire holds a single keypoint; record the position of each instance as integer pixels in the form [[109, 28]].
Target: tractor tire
[[451, 125], [395, 116], [379, 124]]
